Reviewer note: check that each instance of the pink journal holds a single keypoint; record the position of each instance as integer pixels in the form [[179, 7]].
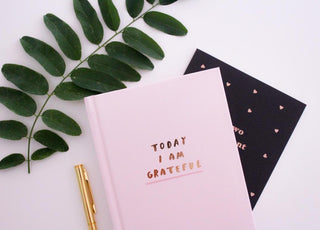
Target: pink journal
[[168, 156]]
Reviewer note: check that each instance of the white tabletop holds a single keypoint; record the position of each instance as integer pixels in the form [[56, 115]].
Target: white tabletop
[[277, 42]]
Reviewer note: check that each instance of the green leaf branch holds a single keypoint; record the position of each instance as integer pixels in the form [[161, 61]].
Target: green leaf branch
[[107, 72]]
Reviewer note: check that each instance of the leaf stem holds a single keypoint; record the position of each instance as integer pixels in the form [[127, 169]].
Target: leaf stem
[[69, 74]]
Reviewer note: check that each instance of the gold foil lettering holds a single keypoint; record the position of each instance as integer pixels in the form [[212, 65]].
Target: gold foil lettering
[[170, 169], [183, 140], [241, 146], [169, 144], [155, 173], [180, 155], [176, 142], [189, 166], [184, 166], [150, 175], [154, 147]]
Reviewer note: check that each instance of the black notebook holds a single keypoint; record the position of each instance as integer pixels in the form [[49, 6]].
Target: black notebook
[[263, 119]]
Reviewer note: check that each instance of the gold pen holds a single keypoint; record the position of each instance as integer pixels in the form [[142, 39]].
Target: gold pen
[[87, 198]]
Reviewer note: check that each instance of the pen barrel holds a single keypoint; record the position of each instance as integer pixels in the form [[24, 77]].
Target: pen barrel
[[92, 226], [87, 200]]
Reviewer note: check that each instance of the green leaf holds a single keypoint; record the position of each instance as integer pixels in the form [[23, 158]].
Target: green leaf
[[48, 57], [41, 154], [59, 121], [166, 2], [95, 80], [12, 160], [70, 92], [17, 101], [113, 67], [89, 21], [134, 7], [110, 14], [142, 42], [67, 39], [51, 140], [165, 23], [128, 55], [25, 79], [13, 130], [151, 1]]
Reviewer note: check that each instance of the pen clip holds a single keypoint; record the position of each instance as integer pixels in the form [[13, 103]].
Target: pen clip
[[89, 191]]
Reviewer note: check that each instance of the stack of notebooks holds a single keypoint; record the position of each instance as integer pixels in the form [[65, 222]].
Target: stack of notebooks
[[192, 152]]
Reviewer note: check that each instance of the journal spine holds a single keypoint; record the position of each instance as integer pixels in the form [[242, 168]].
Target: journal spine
[[102, 156]]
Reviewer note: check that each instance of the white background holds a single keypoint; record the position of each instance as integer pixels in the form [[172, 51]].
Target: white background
[[277, 42]]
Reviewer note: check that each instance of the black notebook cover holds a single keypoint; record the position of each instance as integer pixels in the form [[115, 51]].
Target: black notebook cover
[[263, 118]]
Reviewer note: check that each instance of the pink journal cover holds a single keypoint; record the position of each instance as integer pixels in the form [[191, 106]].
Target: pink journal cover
[[166, 163]]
